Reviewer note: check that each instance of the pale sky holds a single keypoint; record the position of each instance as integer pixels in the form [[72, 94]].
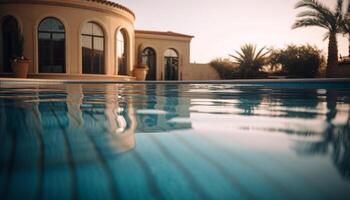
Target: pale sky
[[222, 26]]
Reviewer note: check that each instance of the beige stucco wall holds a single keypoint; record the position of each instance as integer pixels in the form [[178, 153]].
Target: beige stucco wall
[[160, 43], [73, 14], [200, 72]]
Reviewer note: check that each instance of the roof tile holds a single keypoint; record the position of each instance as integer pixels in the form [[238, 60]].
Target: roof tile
[[168, 33], [113, 4]]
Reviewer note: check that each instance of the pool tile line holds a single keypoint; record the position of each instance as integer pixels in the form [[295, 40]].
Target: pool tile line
[[41, 159], [195, 186], [4, 194], [234, 182], [71, 163], [152, 185], [39, 162], [113, 187], [271, 180]]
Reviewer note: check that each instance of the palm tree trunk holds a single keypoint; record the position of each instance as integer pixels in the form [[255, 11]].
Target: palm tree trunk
[[349, 40], [332, 60]]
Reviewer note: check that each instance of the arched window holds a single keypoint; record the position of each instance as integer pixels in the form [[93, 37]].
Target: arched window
[[93, 48], [10, 32], [122, 52], [52, 46], [149, 58], [171, 65]]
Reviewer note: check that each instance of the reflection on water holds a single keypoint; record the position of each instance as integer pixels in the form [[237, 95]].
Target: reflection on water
[[161, 109], [111, 141], [335, 139]]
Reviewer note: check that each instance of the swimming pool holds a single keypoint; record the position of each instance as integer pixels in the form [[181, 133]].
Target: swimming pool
[[175, 141]]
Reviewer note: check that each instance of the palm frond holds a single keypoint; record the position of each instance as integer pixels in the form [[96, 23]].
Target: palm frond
[[318, 14], [310, 13], [326, 36], [345, 23], [339, 8], [250, 57], [237, 58], [259, 54], [314, 5], [305, 22], [241, 55]]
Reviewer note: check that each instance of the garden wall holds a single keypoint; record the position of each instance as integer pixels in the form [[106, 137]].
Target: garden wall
[[200, 72]]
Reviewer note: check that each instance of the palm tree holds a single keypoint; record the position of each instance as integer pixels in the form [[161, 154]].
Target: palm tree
[[346, 26], [321, 16], [250, 60]]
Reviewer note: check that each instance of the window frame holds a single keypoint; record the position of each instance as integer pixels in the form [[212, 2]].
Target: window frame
[[147, 56], [92, 40], [165, 65], [125, 57], [52, 33]]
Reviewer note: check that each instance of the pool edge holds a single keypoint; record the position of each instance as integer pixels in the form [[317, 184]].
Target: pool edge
[[241, 81]]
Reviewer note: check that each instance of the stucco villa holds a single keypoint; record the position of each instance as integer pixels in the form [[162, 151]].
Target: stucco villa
[[91, 39]]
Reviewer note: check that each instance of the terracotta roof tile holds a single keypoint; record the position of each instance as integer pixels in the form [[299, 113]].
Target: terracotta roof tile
[[168, 33], [113, 4]]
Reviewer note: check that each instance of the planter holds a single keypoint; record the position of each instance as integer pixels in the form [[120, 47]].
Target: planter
[[140, 73], [20, 68]]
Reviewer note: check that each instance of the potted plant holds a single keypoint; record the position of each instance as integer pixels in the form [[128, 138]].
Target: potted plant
[[19, 63], [140, 70]]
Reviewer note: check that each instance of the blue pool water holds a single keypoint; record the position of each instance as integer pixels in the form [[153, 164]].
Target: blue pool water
[[167, 141]]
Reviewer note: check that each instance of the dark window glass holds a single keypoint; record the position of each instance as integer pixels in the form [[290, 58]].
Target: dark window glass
[[171, 65], [122, 49], [52, 46], [51, 25], [93, 49], [9, 34], [149, 59]]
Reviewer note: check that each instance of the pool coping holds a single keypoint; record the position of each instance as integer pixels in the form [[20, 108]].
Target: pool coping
[[240, 81]]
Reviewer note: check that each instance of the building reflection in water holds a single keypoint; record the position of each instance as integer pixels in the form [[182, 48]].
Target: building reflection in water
[[73, 133], [61, 134], [21, 140], [100, 111], [120, 119], [162, 108], [63, 115]]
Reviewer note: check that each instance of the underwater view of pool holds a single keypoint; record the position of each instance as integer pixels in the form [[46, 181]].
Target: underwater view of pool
[[175, 141]]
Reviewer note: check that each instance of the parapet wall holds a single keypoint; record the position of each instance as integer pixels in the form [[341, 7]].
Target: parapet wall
[[200, 72]]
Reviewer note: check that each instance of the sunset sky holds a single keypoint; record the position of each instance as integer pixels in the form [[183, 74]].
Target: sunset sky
[[222, 26]]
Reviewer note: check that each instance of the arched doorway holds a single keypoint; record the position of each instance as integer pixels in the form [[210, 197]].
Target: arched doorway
[[149, 58], [93, 48], [122, 52], [52, 46], [171, 65], [10, 31]]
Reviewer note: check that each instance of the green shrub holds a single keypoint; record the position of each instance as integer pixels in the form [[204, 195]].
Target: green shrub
[[225, 67], [298, 61], [230, 70]]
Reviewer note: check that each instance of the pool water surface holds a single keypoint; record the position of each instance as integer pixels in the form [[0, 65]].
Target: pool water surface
[[175, 141]]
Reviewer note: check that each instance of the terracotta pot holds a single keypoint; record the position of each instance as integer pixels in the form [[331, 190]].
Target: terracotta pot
[[140, 73], [20, 68]]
